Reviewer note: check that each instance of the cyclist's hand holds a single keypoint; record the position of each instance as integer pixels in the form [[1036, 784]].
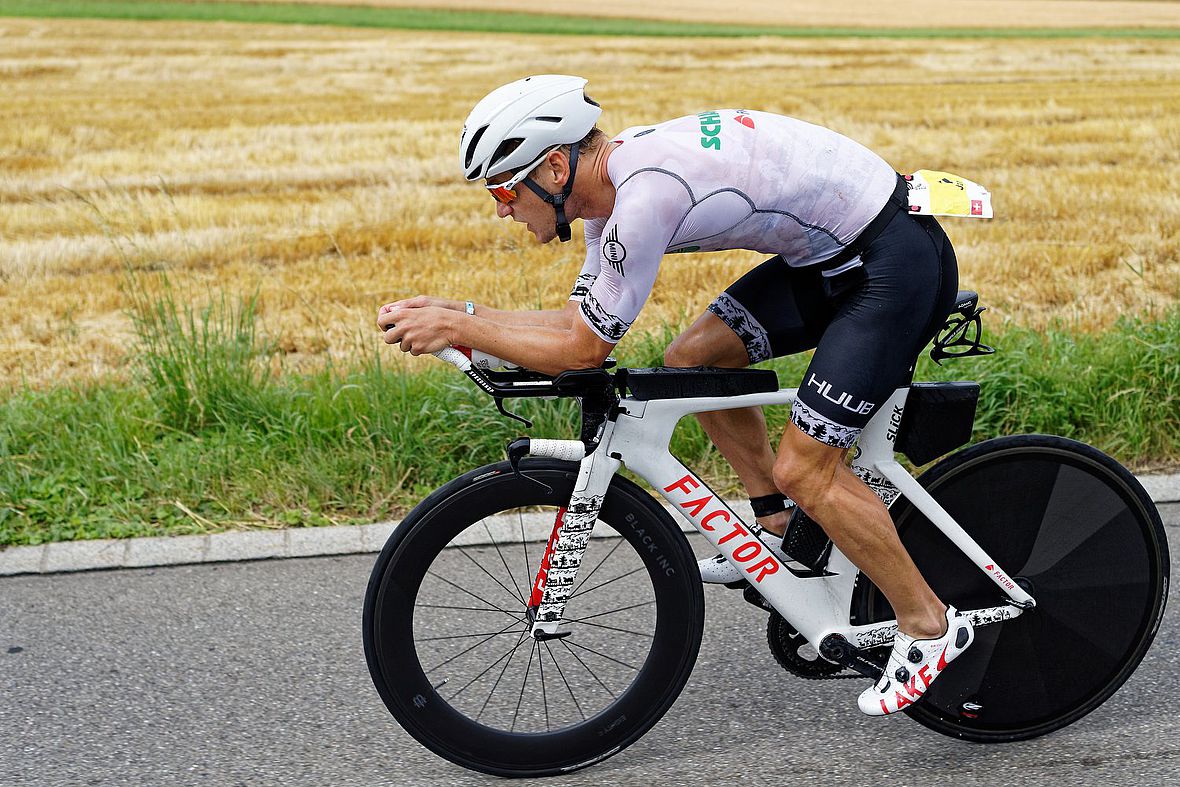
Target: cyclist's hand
[[419, 330], [423, 301]]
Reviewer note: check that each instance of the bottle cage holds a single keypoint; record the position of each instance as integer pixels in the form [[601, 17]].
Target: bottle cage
[[961, 335]]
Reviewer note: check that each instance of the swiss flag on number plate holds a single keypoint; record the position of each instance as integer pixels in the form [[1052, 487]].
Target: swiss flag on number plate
[[976, 207]]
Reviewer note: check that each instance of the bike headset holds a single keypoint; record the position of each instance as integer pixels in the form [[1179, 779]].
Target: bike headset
[[517, 125]]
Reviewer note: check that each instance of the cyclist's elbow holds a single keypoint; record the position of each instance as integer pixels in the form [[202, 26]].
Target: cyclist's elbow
[[582, 348], [586, 351], [588, 360]]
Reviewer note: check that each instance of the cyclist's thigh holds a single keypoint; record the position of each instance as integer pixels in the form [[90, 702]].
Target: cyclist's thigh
[[775, 309], [707, 342], [869, 348]]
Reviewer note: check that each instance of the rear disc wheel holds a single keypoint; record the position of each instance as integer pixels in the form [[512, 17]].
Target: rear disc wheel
[[1075, 529]]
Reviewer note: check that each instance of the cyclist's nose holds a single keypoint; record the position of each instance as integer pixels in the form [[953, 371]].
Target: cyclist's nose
[[502, 210]]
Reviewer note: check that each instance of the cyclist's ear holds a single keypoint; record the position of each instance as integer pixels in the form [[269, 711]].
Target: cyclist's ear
[[555, 169]]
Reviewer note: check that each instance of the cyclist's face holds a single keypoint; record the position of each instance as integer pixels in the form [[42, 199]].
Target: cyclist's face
[[530, 210]]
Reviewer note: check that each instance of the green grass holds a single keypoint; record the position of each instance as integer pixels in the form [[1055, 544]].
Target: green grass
[[209, 436], [504, 22]]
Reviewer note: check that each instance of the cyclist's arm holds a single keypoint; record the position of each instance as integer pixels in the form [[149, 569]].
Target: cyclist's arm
[[550, 349], [540, 317], [649, 207], [547, 318], [598, 312]]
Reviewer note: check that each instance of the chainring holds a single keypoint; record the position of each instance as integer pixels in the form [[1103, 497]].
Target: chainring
[[793, 653]]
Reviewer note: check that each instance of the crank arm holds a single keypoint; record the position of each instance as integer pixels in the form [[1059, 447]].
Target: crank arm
[[835, 648]]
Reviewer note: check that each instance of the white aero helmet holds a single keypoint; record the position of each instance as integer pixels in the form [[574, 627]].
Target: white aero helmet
[[541, 111]]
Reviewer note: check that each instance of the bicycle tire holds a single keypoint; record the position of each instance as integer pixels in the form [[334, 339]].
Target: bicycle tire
[[1078, 531], [395, 649]]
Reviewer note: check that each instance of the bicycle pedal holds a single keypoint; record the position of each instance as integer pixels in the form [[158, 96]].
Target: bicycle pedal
[[839, 650]]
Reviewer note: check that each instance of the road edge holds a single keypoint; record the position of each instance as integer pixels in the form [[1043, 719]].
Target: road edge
[[292, 542]]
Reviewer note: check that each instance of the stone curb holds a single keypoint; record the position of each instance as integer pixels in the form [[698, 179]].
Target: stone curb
[[69, 556]]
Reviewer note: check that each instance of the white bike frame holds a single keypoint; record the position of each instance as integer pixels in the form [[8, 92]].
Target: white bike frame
[[816, 606]]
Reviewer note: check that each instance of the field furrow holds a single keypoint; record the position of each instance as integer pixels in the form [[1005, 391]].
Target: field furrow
[[315, 166]]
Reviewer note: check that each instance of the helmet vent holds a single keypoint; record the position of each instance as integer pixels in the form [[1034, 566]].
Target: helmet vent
[[506, 148], [548, 119], [472, 145]]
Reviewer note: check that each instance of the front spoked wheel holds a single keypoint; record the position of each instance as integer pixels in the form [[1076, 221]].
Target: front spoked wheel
[[1079, 533], [448, 638]]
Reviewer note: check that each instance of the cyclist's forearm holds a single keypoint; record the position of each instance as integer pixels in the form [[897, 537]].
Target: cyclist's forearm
[[550, 349], [550, 318]]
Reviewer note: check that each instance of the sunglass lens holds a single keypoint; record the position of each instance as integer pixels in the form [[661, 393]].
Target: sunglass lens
[[503, 195]]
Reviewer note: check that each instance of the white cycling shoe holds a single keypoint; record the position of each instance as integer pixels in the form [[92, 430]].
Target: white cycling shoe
[[717, 570], [914, 664]]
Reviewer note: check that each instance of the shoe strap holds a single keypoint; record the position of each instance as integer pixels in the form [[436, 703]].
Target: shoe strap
[[766, 505]]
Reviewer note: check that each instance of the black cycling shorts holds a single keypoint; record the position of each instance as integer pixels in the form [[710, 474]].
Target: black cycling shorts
[[867, 325]]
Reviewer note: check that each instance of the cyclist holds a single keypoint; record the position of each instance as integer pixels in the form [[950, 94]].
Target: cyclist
[[854, 276]]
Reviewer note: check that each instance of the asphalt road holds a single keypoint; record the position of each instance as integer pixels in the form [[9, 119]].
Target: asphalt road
[[253, 673]]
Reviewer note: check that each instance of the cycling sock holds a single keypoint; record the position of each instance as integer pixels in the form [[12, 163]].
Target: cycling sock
[[768, 505]]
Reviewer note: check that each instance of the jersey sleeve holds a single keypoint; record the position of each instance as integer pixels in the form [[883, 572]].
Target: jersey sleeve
[[589, 272], [649, 207]]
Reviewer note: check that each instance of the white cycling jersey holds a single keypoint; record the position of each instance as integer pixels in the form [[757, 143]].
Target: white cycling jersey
[[725, 179]]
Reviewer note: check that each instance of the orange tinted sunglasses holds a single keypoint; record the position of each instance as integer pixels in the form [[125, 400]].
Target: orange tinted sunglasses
[[502, 193], [505, 192]]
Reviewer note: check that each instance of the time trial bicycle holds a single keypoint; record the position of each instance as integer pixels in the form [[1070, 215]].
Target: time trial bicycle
[[526, 661]]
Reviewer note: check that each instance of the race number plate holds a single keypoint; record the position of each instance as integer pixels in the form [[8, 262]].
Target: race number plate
[[934, 193]]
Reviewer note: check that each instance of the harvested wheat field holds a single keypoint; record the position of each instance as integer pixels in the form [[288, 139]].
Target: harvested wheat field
[[315, 166], [845, 13]]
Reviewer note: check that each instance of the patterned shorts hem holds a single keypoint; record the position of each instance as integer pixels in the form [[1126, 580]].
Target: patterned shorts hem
[[743, 323], [821, 428]]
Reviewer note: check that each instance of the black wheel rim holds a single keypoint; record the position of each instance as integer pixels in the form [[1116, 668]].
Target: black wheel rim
[[531, 742]]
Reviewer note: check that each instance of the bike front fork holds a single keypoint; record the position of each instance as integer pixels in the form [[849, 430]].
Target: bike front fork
[[572, 528]]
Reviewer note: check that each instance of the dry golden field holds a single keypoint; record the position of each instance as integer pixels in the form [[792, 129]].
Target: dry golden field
[[844, 13], [316, 167]]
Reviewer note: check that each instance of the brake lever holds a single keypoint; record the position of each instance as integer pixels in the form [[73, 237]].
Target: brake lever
[[500, 406], [518, 449]]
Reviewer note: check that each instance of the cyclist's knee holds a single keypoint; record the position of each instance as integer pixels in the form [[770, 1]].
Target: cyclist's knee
[[805, 471], [686, 350], [791, 476], [707, 342]]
